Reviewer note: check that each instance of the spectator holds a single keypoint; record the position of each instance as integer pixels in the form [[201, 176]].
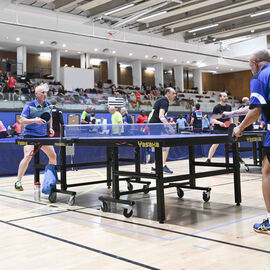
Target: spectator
[[85, 118], [117, 119], [126, 117], [3, 131], [142, 117], [57, 119], [18, 127], [182, 123], [205, 123], [138, 99]]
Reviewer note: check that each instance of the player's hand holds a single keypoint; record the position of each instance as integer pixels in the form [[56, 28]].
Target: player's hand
[[51, 132], [222, 125], [39, 121], [237, 132]]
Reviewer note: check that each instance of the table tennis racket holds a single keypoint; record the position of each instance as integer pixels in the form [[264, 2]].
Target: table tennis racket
[[230, 132], [46, 116], [227, 123]]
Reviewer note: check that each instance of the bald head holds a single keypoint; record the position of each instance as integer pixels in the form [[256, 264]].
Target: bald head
[[260, 56], [245, 100], [258, 59], [112, 109]]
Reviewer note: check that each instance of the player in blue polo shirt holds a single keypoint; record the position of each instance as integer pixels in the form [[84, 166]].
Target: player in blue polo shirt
[[35, 127], [260, 104]]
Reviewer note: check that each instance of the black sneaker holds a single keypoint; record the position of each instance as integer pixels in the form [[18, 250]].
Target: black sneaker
[[166, 169]]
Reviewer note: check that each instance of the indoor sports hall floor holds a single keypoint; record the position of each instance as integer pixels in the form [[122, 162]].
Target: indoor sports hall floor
[[196, 235]]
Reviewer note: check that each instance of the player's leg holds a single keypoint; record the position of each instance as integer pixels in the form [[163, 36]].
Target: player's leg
[[211, 152], [264, 227], [50, 153], [165, 153], [28, 151]]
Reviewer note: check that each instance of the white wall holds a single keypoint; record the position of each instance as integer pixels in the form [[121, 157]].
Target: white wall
[[73, 78]]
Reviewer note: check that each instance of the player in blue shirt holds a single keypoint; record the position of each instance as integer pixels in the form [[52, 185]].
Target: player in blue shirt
[[260, 104], [35, 127]]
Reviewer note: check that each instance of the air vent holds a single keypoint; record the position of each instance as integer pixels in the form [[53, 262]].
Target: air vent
[[154, 57], [106, 50]]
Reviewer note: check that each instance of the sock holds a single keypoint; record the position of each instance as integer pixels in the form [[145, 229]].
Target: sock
[[268, 216]]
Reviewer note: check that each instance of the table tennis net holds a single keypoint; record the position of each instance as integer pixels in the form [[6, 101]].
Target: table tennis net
[[107, 130]]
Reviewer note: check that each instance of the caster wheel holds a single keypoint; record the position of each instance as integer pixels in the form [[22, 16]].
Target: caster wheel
[[104, 207], [145, 189], [130, 187], [71, 201], [180, 193], [206, 196], [127, 214], [52, 197]]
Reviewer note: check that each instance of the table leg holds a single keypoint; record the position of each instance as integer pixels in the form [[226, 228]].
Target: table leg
[[159, 185], [36, 162], [115, 178], [236, 174]]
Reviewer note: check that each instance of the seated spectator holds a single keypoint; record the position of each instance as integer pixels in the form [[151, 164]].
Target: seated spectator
[[3, 131], [182, 123], [18, 127]]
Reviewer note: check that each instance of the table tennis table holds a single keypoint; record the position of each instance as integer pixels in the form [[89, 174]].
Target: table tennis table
[[139, 137]]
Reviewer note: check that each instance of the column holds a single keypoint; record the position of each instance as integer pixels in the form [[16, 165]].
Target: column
[[159, 78], [112, 69], [137, 73], [55, 64], [21, 60], [179, 77], [87, 60], [197, 73], [82, 60]]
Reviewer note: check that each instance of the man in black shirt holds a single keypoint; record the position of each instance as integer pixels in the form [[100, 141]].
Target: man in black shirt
[[57, 119], [158, 115], [220, 125]]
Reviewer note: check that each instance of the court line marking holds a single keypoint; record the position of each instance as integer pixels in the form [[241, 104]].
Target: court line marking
[[184, 235], [81, 246], [53, 204], [205, 248]]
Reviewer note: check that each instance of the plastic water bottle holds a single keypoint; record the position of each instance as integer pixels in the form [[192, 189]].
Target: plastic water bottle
[[37, 191]]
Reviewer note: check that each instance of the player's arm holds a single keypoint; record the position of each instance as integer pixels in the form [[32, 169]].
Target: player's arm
[[241, 111], [252, 115], [162, 117], [51, 131]]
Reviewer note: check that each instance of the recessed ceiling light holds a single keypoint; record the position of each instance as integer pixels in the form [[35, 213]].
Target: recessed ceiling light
[[79, 52], [174, 60], [64, 45], [6, 37], [41, 42], [113, 52], [96, 49], [217, 67], [161, 58], [188, 62], [18, 39], [146, 56], [231, 69], [66, 50], [130, 54]]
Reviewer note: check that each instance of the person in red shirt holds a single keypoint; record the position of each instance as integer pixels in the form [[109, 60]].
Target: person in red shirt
[[142, 117], [11, 83], [138, 99]]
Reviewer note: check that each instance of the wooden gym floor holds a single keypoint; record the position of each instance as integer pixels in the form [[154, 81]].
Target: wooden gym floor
[[196, 235]]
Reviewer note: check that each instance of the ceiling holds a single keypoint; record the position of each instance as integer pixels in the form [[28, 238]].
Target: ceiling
[[205, 21], [83, 26]]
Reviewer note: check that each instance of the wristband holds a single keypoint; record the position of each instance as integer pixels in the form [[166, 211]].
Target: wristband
[[162, 119]]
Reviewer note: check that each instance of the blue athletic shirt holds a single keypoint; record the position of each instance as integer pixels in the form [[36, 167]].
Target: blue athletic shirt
[[260, 97], [33, 110]]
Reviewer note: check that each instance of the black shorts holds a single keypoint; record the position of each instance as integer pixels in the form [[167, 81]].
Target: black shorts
[[219, 131], [266, 152]]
